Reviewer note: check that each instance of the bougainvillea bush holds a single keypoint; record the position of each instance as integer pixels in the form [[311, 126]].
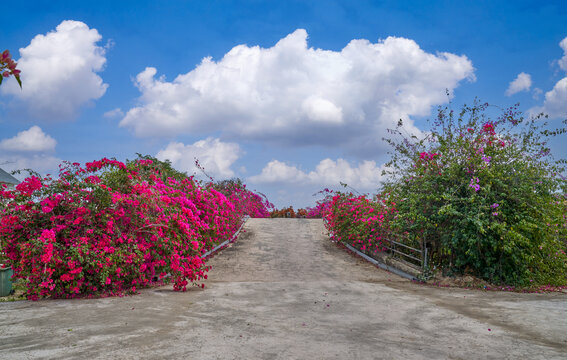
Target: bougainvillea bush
[[112, 228], [255, 205], [359, 221], [286, 212], [322, 207], [315, 212], [486, 196]]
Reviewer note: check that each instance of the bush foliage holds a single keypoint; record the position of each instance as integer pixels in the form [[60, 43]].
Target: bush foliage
[[111, 227], [486, 196]]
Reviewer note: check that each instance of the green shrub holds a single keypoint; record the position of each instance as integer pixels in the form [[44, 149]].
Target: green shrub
[[486, 195]]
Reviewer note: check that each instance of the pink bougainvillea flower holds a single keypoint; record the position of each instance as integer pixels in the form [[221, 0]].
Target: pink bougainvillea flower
[[5, 56], [83, 229]]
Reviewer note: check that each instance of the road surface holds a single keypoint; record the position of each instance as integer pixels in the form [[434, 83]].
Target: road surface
[[285, 291]]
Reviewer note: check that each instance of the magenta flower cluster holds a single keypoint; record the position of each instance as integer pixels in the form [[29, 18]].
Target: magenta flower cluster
[[427, 156], [8, 67], [111, 228], [359, 221]]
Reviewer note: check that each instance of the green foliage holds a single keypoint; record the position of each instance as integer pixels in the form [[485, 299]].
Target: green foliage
[[486, 195]]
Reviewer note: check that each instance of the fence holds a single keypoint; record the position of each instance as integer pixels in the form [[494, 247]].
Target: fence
[[411, 255], [397, 257], [232, 238]]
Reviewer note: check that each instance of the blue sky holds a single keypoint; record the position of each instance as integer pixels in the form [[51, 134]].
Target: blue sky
[[290, 96]]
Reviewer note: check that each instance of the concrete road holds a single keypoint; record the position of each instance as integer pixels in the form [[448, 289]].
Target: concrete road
[[284, 291]]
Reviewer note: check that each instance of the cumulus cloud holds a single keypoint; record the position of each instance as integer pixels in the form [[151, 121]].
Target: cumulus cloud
[[329, 172], [279, 172], [522, 82], [366, 175], [555, 102], [214, 155], [41, 163], [293, 94], [31, 140], [59, 71]]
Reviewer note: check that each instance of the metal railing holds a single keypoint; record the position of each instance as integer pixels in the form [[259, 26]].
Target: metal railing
[[415, 258], [232, 238], [409, 254]]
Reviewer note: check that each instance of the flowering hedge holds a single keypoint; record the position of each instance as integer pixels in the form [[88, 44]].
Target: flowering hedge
[[287, 212], [255, 205], [322, 206], [315, 212], [359, 221], [486, 195], [111, 228]]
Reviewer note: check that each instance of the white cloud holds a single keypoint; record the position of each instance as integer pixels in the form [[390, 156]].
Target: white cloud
[[27, 150], [278, 172], [563, 61], [290, 93], [215, 156], [41, 163], [555, 103], [320, 110], [523, 82], [365, 176], [113, 113], [59, 71], [31, 140]]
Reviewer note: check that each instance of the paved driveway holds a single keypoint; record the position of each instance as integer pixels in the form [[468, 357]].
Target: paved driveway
[[284, 291]]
